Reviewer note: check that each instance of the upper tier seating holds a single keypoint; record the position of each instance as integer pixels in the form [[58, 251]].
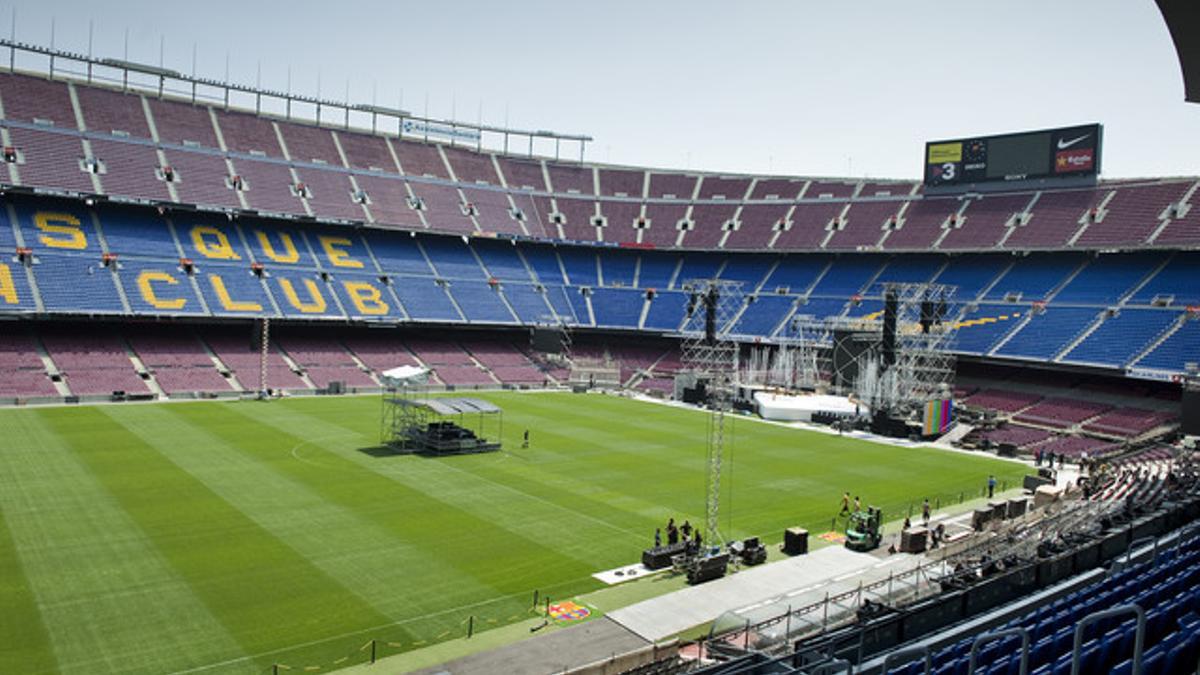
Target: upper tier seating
[[237, 160]]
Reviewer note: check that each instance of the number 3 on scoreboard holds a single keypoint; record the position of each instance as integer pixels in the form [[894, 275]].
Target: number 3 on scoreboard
[[949, 172]]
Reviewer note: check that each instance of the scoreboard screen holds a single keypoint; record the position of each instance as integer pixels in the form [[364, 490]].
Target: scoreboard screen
[[1051, 153]]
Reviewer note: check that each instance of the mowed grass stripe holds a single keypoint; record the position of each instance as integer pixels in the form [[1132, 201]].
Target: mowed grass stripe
[[774, 476], [109, 600], [27, 647], [476, 566], [576, 543], [605, 465], [264, 593], [366, 559], [648, 465], [508, 472]]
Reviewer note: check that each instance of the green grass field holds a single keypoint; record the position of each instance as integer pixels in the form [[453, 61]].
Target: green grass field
[[225, 537]]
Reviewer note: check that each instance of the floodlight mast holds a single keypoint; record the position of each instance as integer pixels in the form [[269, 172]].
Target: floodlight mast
[[711, 354]]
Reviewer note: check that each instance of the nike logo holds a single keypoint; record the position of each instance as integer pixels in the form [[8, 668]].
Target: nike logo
[[1064, 144]]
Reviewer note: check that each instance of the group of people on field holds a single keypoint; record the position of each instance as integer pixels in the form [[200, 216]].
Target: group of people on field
[[676, 533]]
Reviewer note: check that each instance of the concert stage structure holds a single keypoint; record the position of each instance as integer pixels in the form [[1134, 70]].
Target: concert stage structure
[[414, 423], [896, 362]]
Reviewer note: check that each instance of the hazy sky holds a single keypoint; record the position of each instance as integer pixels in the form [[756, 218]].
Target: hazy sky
[[808, 88]]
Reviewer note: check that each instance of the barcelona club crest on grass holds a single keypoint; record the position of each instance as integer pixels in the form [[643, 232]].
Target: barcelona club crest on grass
[[569, 611], [833, 537]]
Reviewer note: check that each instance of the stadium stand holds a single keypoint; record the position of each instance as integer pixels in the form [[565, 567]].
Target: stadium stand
[[178, 360], [1163, 589], [1060, 412], [22, 372], [1120, 311]]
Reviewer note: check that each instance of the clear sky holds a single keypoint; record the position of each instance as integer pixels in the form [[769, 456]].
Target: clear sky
[[831, 88]]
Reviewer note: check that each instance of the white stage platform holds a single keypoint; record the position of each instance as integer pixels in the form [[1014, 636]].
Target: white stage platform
[[794, 579], [801, 408], [627, 573]]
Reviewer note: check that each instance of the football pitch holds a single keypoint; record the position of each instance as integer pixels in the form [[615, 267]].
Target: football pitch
[[224, 537]]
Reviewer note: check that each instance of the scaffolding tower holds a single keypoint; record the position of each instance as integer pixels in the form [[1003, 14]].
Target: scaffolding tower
[[401, 387], [712, 356], [922, 365]]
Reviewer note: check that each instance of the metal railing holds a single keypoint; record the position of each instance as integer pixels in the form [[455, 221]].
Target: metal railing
[[997, 635], [167, 80], [1138, 639]]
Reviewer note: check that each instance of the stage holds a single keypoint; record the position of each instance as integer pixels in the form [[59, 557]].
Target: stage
[[803, 407]]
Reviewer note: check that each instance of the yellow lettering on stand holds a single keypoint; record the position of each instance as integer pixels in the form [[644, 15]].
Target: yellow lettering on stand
[[337, 256], [144, 284], [8, 291], [228, 302], [366, 298], [289, 255], [212, 243], [65, 224], [316, 302]]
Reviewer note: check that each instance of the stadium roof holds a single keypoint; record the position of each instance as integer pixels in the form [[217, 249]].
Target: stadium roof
[[1183, 20]]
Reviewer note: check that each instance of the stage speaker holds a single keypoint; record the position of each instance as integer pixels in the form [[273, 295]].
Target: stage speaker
[[546, 340], [712, 567], [660, 558], [710, 315], [1032, 483], [795, 541], [890, 311], [980, 518], [1190, 414], [914, 540], [999, 509], [928, 315], [884, 424], [696, 395]]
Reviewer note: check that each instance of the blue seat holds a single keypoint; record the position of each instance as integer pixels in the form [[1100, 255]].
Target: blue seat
[[1042, 652], [1089, 658]]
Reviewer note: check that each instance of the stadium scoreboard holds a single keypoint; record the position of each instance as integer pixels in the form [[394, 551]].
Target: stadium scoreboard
[[1067, 152]]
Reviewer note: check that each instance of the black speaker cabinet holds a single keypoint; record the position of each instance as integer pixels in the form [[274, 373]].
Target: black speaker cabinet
[[795, 541]]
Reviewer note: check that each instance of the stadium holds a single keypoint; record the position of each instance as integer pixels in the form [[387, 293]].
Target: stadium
[[293, 384]]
